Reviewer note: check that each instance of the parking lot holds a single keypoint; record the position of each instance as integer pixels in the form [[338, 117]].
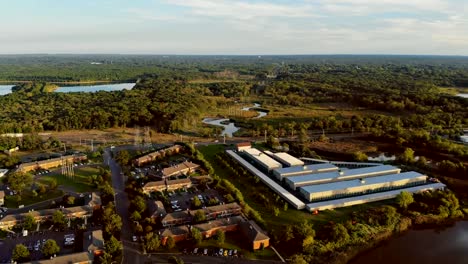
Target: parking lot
[[183, 200], [34, 243]]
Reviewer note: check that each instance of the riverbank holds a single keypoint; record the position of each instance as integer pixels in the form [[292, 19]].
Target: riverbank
[[353, 253]]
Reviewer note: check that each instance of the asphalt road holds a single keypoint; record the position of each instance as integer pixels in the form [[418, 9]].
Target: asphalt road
[[121, 204]]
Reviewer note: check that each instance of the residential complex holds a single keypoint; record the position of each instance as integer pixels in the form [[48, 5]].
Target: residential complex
[[179, 169], [157, 154], [159, 186], [93, 202], [50, 163]]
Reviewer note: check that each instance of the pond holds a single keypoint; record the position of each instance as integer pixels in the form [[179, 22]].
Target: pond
[[447, 246], [95, 88], [6, 89]]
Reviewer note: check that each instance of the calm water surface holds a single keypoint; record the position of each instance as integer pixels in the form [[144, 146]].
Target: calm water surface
[[95, 88], [5, 89], [446, 246]]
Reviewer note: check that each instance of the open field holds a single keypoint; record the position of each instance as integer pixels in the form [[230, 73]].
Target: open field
[[28, 198], [453, 90], [80, 183]]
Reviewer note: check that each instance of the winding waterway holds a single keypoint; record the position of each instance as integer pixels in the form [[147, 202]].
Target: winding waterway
[[230, 128], [464, 95], [445, 246]]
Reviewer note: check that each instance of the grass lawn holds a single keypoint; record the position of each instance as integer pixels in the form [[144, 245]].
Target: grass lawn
[[80, 182], [289, 217], [27, 198]]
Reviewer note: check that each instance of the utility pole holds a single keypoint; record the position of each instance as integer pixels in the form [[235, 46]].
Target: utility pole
[[265, 135]]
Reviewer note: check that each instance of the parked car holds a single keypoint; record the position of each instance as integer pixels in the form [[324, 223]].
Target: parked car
[[195, 251], [225, 253], [205, 251], [230, 252], [220, 252], [134, 239]]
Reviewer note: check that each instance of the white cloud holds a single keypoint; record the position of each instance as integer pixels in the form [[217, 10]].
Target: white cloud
[[244, 10]]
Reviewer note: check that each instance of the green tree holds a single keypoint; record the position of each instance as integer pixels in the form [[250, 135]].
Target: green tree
[[53, 184], [135, 216], [139, 204], [407, 156], [20, 253], [58, 218], [196, 203], [123, 157], [199, 216], [19, 181], [298, 259], [29, 222], [170, 243], [220, 237], [197, 235], [152, 242], [71, 200], [50, 248], [113, 223], [404, 199], [106, 258], [359, 156], [339, 234], [113, 246]]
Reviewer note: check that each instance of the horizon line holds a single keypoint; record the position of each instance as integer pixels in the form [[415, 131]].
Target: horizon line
[[236, 55]]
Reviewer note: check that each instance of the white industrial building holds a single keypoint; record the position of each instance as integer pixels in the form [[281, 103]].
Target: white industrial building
[[262, 159], [335, 176], [293, 200], [346, 164], [285, 158], [341, 189], [368, 198], [282, 173]]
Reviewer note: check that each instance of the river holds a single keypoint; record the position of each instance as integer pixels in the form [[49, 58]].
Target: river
[[6, 89], [230, 128], [445, 246], [464, 95]]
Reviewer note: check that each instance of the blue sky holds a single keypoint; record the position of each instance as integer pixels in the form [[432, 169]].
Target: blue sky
[[235, 26]]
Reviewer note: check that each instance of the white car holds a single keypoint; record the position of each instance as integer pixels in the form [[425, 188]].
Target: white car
[[134, 239]]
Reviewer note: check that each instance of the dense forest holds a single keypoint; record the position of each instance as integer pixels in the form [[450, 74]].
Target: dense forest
[[173, 93]]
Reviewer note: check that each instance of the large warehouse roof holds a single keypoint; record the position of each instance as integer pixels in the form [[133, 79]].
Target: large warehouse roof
[[341, 185], [287, 159], [262, 158], [307, 169], [343, 175], [370, 197], [298, 204]]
